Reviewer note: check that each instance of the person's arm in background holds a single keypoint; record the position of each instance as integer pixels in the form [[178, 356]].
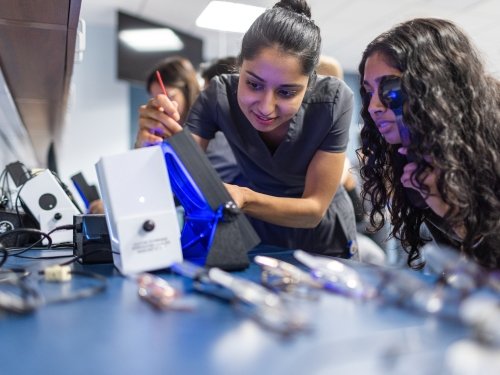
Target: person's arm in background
[[350, 184], [96, 207]]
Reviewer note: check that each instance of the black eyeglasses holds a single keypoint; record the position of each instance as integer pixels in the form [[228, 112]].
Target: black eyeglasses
[[284, 277], [403, 288], [390, 93], [162, 294], [458, 271], [335, 276]]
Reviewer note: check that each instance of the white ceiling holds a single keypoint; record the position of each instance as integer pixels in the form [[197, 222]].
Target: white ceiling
[[347, 26]]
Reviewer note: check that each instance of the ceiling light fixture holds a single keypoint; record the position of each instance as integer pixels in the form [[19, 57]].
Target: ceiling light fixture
[[151, 40], [227, 16]]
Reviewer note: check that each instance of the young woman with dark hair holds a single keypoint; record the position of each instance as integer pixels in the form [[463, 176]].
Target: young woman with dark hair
[[287, 128], [441, 142]]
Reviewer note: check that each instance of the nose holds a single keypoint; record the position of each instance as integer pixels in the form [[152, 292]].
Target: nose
[[267, 103], [375, 105]]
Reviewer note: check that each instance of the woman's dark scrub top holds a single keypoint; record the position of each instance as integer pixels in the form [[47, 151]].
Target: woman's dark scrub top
[[322, 123]]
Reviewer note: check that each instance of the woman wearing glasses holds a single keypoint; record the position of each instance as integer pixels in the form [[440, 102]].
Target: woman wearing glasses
[[431, 140], [287, 128]]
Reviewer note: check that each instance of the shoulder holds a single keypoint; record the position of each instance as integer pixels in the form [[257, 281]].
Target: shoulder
[[212, 111], [221, 94], [328, 89], [224, 84]]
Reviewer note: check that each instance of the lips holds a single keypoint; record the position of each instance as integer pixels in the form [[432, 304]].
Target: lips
[[264, 119], [384, 126]]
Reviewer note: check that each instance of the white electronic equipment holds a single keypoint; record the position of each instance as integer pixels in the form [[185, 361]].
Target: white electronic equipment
[[140, 210], [44, 196]]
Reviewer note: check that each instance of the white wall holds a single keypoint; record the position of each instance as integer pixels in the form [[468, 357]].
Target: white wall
[[97, 122]]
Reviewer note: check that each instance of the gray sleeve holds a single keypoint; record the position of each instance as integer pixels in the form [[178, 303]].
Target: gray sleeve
[[202, 118], [342, 109]]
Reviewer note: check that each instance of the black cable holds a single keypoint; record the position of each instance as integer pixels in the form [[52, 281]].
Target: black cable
[[63, 245], [43, 258], [5, 255], [66, 191], [4, 191], [83, 293], [76, 258], [44, 235], [17, 251], [27, 299], [49, 247], [20, 272], [28, 230], [62, 227]]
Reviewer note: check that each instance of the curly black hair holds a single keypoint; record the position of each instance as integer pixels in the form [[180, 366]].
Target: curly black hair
[[453, 110]]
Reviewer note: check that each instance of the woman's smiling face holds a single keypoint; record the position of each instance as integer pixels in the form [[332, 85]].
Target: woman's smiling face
[[271, 88]]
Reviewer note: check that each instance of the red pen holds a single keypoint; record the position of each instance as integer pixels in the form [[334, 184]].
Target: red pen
[[160, 81]]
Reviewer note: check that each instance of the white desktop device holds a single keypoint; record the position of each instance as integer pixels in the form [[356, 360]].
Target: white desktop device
[[49, 204], [140, 210]]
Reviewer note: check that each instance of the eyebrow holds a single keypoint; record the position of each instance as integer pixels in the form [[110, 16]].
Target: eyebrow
[[287, 85], [377, 80]]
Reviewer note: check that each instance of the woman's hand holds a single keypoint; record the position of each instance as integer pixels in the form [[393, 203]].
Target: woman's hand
[[237, 193], [158, 119], [96, 207], [427, 187]]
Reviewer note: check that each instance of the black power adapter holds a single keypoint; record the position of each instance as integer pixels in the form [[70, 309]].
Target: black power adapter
[[91, 239]]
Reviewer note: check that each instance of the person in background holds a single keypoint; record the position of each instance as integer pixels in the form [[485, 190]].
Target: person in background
[[370, 250], [451, 113], [223, 65], [288, 130], [330, 66], [180, 81]]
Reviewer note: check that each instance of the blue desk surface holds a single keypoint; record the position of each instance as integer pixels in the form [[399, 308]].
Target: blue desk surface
[[116, 332]]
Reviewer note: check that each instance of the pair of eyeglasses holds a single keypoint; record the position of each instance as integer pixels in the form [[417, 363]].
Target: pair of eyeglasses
[[392, 96], [324, 273], [161, 294], [482, 314], [263, 305], [335, 276], [287, 278], [394, 286], [17, 294], [407, 289], [391, 93], [458, 271]]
